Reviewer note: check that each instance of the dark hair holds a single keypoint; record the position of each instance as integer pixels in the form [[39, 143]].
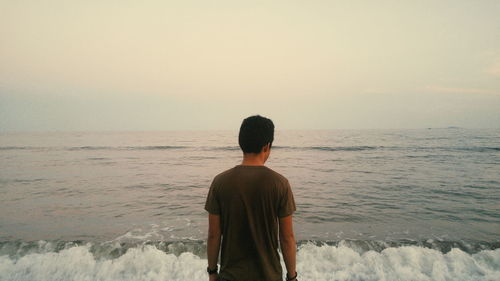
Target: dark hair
[[255, 132]]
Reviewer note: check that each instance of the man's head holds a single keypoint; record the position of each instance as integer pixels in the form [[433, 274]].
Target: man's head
[[256, 132]]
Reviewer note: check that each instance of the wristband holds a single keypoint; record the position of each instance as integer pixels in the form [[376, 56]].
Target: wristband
[[212, 271], [291, 278]]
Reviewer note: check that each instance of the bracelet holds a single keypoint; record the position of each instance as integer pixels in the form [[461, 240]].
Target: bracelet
[[291, 278], [213, 271]]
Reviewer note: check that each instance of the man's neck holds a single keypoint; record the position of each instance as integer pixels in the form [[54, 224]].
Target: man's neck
[[251, 159]]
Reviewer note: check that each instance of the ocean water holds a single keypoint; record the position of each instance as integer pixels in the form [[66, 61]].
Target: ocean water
[[371, 204]]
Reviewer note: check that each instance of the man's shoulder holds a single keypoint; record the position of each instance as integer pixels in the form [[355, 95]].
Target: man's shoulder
[[277, 175], [262, 169], [223, 174]]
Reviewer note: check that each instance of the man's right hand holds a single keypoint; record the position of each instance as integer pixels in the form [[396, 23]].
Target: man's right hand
[[213, 277]]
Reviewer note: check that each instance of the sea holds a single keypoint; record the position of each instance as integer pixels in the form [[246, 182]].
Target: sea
[[420, 204]]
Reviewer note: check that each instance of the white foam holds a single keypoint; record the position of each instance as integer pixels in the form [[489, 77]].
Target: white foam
[[77, 263], [163, 232], [318, 263], [403, 263]]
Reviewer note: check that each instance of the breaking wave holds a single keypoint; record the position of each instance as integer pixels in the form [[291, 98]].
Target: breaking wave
[[341, 260]]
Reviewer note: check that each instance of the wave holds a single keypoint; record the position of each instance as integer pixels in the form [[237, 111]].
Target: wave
[[321, 148], [76, 148], [18, 147], [480, 148], [174, 147], [149, 147], [236, 148], [341, 260], [118, 246], [345, 148]]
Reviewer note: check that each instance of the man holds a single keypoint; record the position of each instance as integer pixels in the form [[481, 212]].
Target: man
[[247, 205]]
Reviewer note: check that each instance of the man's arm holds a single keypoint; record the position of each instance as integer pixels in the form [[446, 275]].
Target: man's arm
[[213, 242], [288, 246]]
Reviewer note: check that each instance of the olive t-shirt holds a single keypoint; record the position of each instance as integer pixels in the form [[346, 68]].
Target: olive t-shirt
[[249, 200]]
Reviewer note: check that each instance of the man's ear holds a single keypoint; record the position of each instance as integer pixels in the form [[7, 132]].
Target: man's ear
[[266, 147]]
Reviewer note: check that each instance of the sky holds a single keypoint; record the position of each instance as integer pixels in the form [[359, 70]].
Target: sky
[[204, 65]]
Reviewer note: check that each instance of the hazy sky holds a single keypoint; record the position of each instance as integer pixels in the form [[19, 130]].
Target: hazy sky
[[160, 65]]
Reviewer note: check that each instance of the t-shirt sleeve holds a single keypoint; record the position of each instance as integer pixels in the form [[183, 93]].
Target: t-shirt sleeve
[[287, 202], [212, 204]]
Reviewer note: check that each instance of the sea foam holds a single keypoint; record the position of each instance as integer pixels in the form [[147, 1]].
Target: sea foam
[[318, 263], [402, 263]]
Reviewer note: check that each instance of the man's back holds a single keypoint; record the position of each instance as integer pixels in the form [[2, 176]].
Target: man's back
[[249, 201]]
